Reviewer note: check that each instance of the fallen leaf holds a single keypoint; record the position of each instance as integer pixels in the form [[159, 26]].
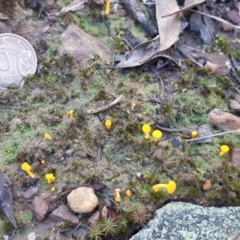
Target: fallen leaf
[[45, 29], [140, 54], [168, 28], [74, 6]]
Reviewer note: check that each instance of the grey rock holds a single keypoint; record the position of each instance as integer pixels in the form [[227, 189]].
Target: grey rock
[[80, 45], [82, 200], [31, 192], [63, 213], [40, 208], [185, 221], [203, 131]]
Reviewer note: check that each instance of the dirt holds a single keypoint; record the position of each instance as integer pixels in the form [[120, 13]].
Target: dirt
[[82, 150]]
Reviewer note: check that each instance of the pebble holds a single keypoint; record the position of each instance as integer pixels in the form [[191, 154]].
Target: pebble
[[207, 185], [82, 200], [40, 208], [31, 236], [176, 142], [31, 192]]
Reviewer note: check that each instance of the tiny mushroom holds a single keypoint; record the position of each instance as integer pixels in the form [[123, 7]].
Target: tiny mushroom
[[108, 124], [50, 178], [117, 195], [146, 130], [171, 187], [47, 136], [223, 150], [128, 193], [157, 134], [27, 168], [194, 134], [107, 9], [70, 113]]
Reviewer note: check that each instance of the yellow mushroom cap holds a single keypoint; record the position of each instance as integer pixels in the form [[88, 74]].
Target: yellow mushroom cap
[[194, 134], [108, 124], [128, 193], [171, 187], [146, 128], [26, 167], [224, 149], [157, 134], [50, 177]]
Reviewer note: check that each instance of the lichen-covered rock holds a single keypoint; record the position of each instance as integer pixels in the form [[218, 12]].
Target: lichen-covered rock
[[82, 200], [224, 120], [235, 160], [185, 221], [40, 208]]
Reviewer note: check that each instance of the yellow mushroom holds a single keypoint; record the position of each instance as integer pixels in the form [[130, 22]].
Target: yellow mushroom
[[50, 178], [117, 195], [27, 168], [47, 136], [128, 193], [108, 124], [171, 187], [146, 130], [194, 134], [223, 150], [107, 9], [157, 134], [70, 113]]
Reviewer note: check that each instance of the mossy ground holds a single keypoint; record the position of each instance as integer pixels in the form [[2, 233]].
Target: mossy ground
[[116, 156]]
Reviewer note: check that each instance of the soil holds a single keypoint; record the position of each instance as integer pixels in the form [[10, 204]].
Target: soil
[[83, 151]]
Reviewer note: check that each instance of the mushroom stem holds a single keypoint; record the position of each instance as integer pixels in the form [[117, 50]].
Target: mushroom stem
[[146, 135], [30, 174], [117, 195], [157, 187]]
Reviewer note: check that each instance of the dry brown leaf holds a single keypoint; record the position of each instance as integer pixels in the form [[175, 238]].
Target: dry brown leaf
[[187, 5], [74, 6], [169, 27], [140, 54]]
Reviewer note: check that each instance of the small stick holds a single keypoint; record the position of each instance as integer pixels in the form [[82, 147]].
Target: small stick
[[213, 135], [106, 107]]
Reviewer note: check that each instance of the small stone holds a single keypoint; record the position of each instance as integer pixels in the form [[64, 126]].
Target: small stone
[[94, 219], [45, 195], [82, 200], [233, 16], [176, 142], [31, 236], [31, 192], [224, 120], [227, 27], [40, 208], [235, 160], [237, 97], [207, 185], [234, 105], [69, 153], [63, 213], [157, 154], [203, 131]]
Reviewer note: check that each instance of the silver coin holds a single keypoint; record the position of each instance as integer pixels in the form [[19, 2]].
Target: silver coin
[[17, 60]]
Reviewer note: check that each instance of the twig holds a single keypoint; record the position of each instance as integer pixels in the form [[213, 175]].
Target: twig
[[106, 107], [161, 81], [213, 135]]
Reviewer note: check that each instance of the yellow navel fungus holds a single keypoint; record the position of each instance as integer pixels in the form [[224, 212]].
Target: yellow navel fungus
[[128, 193], [223, 150], [107, 9], [146, 130], [50, 178], [108, 124], [47, 136], [171, 187], [70, 113], [194, 134], [157, 134], [27, 168], [117, 195]]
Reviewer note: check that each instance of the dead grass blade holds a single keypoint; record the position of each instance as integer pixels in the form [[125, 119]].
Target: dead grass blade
[[75, 5], [216, 18], [188, 5], [168, 28]]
